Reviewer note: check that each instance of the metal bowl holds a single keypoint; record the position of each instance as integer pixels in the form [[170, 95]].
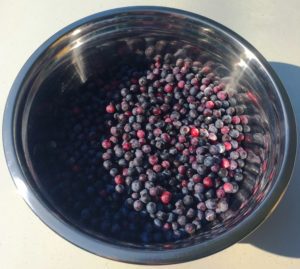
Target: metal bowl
[[90, 45]]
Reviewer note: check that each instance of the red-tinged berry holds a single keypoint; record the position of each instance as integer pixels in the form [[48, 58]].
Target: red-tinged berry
[[196, 178], [192, 158], [168, 120], [195, 132], [140, 134], [244, 119], [222, 95], [125, 172], [225, 130], [220, 193], [157, 168], [110, 108], [106, 144], [240, 138], [168, 88], [165, 137], [153, 159], [126, 146], [216, 89], [228, 187], [210, 104], [165, 164], [181, 139], [156, 111], [181, 169], [166, 197], [225, 163], [208, 182], [236, 120], [228, 146], [181, 84], [113, 139], [139, 110], [184, 183], [167, 226], [143, 89], [142, 141], [119, 179], [212, 137], [157, 132]]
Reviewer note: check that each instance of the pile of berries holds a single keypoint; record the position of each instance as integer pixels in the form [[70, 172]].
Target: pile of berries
[[174, 151], [153, 149]]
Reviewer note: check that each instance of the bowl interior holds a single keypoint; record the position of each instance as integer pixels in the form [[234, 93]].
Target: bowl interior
[[96, 49]]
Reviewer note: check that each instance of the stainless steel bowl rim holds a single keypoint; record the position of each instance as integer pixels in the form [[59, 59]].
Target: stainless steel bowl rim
[[139, 256]]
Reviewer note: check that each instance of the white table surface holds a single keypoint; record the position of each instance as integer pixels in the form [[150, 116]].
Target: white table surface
[[272, 26]]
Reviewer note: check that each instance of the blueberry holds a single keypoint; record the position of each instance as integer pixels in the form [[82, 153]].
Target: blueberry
[[200, 159], [234, 155], [151, 207], [171, 217], [199, 188], [113, 172], [234, 133], [188, 200], [119, 188], [149, 185], [222, 206], [158, 223], [107, 164], [161, 215], [208, 161], [211, 203], [243, 154], [190, 213], [146, 149], [210, 215], [220, 148], [190, 228], [138, 205], [136, 186], [122, 163], [201, 169], [145, 198], [241, 163], [175, 226], [197, 224], [210, 194], [219, 123], [181, 220]]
